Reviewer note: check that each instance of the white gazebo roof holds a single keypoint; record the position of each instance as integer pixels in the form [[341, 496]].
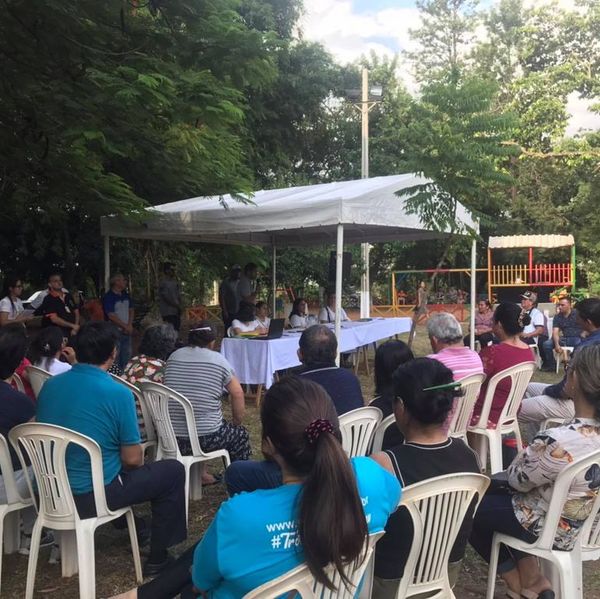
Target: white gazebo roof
[[369, 209]]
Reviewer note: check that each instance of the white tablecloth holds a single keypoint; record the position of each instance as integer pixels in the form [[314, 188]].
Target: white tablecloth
[[255, 362]]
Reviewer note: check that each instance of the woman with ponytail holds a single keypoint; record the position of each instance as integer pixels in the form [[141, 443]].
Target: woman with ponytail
[[320, 515], [509, 322]]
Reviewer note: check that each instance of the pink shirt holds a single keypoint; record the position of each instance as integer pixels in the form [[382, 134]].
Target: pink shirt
[[462, 361]]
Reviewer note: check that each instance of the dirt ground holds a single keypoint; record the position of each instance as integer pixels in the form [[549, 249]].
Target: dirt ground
[[114, 565]]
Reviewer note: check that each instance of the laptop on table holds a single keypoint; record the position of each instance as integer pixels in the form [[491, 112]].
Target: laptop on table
[[275, 330]]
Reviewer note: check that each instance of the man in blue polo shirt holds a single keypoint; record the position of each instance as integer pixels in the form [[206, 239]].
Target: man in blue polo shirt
[[118, 309], [88, 401]]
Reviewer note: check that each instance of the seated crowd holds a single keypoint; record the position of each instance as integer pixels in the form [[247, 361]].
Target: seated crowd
[[306, 502]]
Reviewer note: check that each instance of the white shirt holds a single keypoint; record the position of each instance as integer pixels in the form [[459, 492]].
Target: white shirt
[[537, 320], [13, 309], [298, 322], [264, 323], [328, 315], [53, 366], [245, 327]]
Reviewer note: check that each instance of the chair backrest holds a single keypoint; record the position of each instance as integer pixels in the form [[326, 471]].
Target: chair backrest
[[8, 475], [519, 375], [590, 532], [303, 583], [437, 507], [17, 382], [379, 432], [357, 427], [141, 402], [470, 385], [37, 377], [46, 446], [157, 399]]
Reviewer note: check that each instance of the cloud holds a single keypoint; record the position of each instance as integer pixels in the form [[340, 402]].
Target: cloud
[[581, 117]]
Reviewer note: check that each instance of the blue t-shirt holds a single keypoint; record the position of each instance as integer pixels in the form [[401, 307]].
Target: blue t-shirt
[[253, 537], [341, 384], [117, 303], [87, 400]]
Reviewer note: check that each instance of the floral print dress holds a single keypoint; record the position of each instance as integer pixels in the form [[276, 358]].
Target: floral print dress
[[534, 470], [139, 369]]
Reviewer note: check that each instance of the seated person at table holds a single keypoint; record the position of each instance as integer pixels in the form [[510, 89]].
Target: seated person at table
[[203, 376], [509, 321], [299, 314], [88, 401], [317, 352], [47, 349], [388, 357], [327, 313], [520, 511], [484, 323], [262, 315], [246, 321], [315, 517], [11, 306], [427, 452]]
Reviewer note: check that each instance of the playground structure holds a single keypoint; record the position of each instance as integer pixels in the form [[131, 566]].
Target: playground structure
[[531, 274]]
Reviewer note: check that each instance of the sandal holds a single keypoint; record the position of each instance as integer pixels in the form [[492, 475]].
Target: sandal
[[545, 594], [218, 478]]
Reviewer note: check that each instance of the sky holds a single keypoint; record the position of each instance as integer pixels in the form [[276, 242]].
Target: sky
[[349, 28]]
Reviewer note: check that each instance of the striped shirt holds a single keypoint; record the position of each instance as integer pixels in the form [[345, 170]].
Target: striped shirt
[[462, 361], [201, 375]]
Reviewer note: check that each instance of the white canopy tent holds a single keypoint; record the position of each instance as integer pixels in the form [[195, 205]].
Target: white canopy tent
[[365, 210]]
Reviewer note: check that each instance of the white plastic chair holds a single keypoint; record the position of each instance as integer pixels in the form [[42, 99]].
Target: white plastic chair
[[519, 375], [151, 442], [566, 564], [357, 428], [471, 386], [302, 581], [46, 446], [37, 377], [379, 432], [563, 355], [17, 382], [10, 530], [437, 507], [157, 399], [552, 423]]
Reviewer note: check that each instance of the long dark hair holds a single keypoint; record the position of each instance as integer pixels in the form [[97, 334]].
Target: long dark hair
[[45, 346], [10, 281], [388, 357], [295, 306], [331, 522]]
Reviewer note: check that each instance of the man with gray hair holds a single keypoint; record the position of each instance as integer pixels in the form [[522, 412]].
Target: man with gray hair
[[446, 338]]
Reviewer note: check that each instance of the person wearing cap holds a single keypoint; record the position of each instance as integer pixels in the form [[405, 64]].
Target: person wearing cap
[[537, 325], [229, 297]]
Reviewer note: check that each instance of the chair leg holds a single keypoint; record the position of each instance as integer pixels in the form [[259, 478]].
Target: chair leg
[[87, 564], [492, 569], [68, 553], [187, 492], [34, 550], [196, 480], [11, 535], [495, 443], [135, 548]]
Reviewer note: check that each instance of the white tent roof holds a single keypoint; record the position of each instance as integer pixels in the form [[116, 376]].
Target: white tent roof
[[296, 216], [531, 241]]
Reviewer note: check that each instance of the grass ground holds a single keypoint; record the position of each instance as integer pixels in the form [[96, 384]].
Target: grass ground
[[114, 566]]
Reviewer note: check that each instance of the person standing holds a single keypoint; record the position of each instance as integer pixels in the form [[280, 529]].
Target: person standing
[[169, 297], [118, 309], [229, 298], [58, 307], [248, 286], [11, 306]]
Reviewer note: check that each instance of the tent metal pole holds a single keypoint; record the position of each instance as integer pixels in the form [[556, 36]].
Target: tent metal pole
[[365, 283], [106, 262], [274, 279], [339, 255], [473, 292]]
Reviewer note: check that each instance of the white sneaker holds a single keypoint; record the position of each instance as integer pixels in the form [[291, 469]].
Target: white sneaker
[[46, 540]]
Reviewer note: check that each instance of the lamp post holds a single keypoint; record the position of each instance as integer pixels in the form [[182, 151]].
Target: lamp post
[[369, 98]]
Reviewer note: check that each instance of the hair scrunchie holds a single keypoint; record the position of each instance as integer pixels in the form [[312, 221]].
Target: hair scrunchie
[[314, 430]]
